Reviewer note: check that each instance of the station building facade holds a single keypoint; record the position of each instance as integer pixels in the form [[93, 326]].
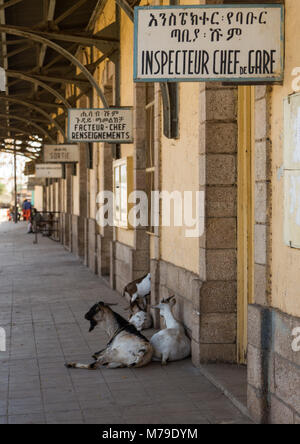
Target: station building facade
[[237, 285]]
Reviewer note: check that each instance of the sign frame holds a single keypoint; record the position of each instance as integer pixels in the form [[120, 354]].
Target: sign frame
[[232, 80], [60, 145], [110, 141]]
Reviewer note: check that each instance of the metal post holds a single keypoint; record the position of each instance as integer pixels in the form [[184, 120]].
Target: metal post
[[16, 188]]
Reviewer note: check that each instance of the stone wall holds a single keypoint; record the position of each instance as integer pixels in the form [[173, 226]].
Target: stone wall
[[129, 263], [273, 367], [218, 246], [74, 234], [92, 245], [66, 230], [103, 256], [178, 281], [78, 236], [263, 198], [207, 309], [123, 268], [261, 318]]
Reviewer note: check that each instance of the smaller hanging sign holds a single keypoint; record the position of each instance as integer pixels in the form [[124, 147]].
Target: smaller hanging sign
[[61, 153], [49, 170], [3, 80], [110, 125], [29, 169]]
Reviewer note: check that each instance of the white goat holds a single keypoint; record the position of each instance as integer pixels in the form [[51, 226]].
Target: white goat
[[139, 288], [170, 344], [126, 348], [140, 318]]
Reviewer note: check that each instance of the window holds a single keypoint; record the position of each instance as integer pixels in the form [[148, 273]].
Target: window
[[150, 167], [123, 186]]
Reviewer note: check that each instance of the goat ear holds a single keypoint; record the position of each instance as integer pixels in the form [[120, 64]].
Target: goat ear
[[172, 300]]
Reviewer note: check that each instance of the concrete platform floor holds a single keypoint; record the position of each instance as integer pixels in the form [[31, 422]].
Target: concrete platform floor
[[44, 294]]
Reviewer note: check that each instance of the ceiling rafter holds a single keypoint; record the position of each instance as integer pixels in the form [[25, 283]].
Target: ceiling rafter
[[10, 3], [53, 79], [15, 42], [28, 122], [51, 105], [23, 48], [69, 11], [37, 109], [43, 49], [16, 130], [36, 80], [46, 71], [57, 58], [81, 38], [31, 36]]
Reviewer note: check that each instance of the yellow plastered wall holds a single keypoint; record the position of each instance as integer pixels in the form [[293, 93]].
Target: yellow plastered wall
[[106, 18], [127, 98], [285, 260], [75, 188], [93, 187], [56, 196], [63, 196], [180, 172], [38, 198]]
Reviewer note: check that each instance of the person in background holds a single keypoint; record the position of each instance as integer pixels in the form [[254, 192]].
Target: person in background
[[33, 213], [26, 210], [9, 214], [23, 209]]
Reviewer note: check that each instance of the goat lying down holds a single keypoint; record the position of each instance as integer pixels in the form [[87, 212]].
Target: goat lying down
[[140, 318], [171, 343], [126, 347]]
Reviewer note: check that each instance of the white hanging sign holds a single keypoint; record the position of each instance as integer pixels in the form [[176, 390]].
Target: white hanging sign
[[110, 125], [3, 79], [236, 43], [61, 153], [49, 170]]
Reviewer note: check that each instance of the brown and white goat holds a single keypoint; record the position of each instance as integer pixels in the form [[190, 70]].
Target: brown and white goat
[[140, 288], [126, 347]]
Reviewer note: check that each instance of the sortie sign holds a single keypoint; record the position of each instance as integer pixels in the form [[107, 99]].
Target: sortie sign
[[236, 43], [61, 153], [110, 125]]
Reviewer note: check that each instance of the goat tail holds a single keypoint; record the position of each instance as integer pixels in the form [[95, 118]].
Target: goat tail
[[81, 366]]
